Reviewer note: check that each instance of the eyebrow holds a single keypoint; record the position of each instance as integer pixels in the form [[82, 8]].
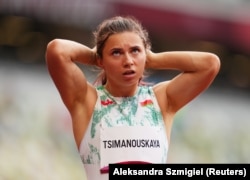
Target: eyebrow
[[132, 47], [115, 49]]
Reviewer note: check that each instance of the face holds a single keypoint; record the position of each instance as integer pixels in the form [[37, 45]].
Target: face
[[124, 58]]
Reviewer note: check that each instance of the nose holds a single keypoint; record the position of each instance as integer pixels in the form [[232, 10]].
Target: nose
[[128, 60]]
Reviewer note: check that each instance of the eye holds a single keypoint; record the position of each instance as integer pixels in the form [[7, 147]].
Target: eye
[[135, 50], [116, 53]]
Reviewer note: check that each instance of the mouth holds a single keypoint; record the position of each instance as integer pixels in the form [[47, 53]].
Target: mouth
[[129, 72]]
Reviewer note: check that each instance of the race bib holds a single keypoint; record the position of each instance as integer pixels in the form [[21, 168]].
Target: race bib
[[128, 145]]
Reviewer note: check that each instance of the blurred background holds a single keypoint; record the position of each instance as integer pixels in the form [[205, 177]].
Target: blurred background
[[36, 140]]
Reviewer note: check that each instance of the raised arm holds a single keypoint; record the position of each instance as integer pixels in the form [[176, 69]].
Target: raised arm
[[61, 58], [197, 71]]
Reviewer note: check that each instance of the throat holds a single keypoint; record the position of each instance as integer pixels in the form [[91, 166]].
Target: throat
[[121, 91]]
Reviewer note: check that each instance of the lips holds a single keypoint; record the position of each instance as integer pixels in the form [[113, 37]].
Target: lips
[[128, 72]]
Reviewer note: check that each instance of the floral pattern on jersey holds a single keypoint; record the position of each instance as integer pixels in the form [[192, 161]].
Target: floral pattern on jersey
[[93, 157], [125, 110]]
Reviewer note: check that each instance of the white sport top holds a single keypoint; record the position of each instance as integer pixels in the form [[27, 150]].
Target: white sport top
[[123, 130]]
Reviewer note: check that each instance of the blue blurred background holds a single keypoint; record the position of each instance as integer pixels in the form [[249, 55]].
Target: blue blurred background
[[36, 140]]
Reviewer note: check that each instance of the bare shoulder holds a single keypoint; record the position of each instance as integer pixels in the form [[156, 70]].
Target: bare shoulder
[[161, 95], [90, 97], [82, 112], [83, 106]]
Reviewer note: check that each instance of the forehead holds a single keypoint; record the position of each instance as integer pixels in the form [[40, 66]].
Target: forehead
[[124, 39]]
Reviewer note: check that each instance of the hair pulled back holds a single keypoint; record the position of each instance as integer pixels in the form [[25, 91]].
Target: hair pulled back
[[114, 25]]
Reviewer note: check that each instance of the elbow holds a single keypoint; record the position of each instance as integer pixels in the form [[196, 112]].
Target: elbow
[[53, 50], [52, 47], [213, 64]]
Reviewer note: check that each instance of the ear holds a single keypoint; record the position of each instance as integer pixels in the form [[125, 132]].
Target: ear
[[99, 62]]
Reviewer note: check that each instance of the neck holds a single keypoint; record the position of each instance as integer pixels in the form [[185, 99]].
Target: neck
[[124, 91]]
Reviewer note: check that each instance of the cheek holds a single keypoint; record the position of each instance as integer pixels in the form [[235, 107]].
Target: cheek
[[141, 61], [111, 67]]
